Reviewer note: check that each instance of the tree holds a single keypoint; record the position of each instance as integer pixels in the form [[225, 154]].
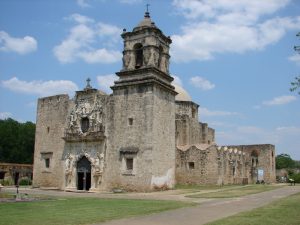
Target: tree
[[16, 141], [296, 84], [284, 161]]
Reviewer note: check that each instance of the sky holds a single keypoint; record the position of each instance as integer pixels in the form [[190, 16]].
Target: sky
[[235, 58]]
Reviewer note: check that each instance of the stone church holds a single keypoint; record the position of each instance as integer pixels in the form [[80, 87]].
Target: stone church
[[144, 136]]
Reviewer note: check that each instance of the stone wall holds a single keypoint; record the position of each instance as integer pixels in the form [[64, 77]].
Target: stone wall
[[163, 164], [196, 165], [13, 172], [52, 113], [265, 161], [188, 129], [130, 136], [141, 127], [209, 164]]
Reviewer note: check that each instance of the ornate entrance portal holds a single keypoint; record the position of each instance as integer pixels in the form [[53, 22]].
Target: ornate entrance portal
[[83, 174]]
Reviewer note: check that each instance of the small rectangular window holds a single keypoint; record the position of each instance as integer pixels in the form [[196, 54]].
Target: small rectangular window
[[47, 163], [129, 164], [130, 121], [191, 165]]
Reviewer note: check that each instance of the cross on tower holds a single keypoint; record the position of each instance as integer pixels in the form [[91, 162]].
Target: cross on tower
[[88, 83], [147, 7]]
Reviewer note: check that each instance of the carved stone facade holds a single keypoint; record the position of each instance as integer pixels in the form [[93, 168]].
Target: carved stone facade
[[145, 135]]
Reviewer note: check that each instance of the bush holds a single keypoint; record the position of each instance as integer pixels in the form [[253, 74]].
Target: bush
[[25, 181], [296, 177], [8, 182]]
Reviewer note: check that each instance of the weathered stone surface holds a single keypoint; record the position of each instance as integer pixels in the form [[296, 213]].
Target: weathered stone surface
[[138, 138]]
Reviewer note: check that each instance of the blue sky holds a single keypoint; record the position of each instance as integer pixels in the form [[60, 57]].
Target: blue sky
[[234, 57]]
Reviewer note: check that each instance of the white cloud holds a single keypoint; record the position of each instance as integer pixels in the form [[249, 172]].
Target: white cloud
[[288, 129], [5, 115], [208, 113], [83, 3], [106, 81], [104, 29], [23, 45], [40, 88], [295, 58], [282, 100], [228, 26], [100, 56], [82, 39], [177, 80], [201, 83], [193, 9], [79, 18]]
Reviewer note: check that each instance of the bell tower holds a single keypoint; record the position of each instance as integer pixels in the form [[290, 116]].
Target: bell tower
[[146, 46], [142, 133], [145, 56]]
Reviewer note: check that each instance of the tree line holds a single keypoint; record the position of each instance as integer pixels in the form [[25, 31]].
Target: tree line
[[284, 161], [292, 167], [16, 141]]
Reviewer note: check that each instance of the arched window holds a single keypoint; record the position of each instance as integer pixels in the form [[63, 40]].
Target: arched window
[[254, 156], [138, 49], [85, 124]]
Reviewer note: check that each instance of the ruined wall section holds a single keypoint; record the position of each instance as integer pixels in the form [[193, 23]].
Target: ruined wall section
[[232, 166], [196, 166], [265, 161], [51, 119]]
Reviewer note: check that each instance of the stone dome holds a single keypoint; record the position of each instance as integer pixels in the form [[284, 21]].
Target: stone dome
[[146, 22], [182, 94]]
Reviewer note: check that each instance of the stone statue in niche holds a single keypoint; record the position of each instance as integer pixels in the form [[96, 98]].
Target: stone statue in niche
[[73, 120], [146, 57], [99, 164], [126, 60], [69, 166], [131, 64], [152, 58], [98, 112], [155, 58], [98, 167]]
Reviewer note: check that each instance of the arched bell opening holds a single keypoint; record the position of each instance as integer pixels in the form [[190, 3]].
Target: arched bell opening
[[138, 49]]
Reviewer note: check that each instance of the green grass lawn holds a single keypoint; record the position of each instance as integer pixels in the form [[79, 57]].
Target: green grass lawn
[[281, 212], [75, 211], [236, 191]]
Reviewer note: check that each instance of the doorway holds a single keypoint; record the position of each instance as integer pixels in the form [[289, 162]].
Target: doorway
[[83, 174]]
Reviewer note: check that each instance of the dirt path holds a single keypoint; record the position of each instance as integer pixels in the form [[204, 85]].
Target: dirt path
[[210, 210]]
